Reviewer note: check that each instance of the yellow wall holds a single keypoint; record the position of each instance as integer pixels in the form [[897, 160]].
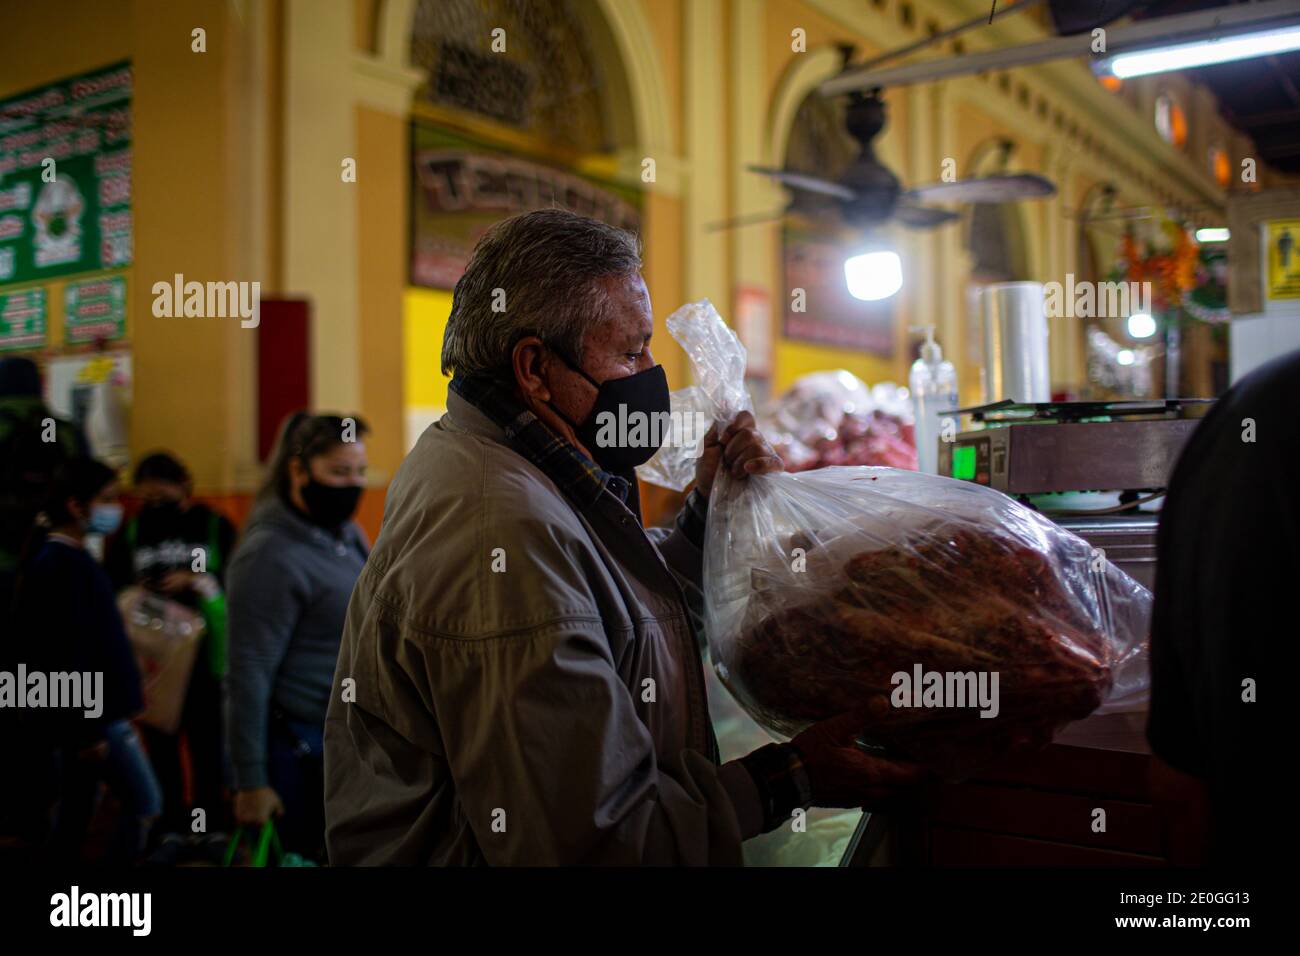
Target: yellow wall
[[424, 319], [381, 197], [237, 154], [184, 393]]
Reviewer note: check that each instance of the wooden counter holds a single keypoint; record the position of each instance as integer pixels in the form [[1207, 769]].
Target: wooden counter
[[1038, 810]]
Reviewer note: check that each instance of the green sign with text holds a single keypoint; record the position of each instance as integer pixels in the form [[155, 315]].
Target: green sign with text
[[94, 310], [22, 320], [65, 177]]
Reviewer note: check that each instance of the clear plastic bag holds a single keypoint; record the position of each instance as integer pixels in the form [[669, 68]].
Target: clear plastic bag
[[840, 588], [719, 362]]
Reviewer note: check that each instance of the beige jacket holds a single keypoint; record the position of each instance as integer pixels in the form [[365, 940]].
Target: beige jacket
[[549, 713]]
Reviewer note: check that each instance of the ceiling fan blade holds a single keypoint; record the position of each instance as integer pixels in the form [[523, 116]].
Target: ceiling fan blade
[[986, 189], [748, 220], [923, 217], [803, 181]]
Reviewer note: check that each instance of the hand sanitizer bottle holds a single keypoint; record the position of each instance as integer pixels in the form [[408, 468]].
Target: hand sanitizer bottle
[[933, 383]]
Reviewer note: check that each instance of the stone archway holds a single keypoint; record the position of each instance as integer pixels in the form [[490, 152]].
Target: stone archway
[[805, 74], [619, 32]]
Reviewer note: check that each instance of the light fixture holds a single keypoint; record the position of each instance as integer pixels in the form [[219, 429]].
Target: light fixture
[[1212, 235], [1141, 325], [1246, 23], [1186, 56], [872, 276], [1124, 357]]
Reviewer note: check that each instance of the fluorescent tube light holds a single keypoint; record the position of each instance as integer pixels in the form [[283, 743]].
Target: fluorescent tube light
[[1185, 56], [1211, 235]]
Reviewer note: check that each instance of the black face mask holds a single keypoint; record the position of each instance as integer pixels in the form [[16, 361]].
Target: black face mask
[[330, 505], [161, 513], [628, 421]]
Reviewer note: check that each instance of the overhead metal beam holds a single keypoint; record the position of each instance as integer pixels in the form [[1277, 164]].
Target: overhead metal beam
[[1272, 118], [947, 34], [1143, 34]]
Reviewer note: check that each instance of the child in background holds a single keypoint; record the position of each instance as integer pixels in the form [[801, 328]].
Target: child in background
[[180, 548]]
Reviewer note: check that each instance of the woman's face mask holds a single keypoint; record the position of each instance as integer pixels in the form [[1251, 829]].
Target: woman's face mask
[[104, 518], [335, 482], [330, 505], [628, 421]]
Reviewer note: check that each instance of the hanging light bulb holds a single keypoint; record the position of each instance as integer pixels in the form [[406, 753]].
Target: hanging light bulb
[[872, 276], [1141, 325]]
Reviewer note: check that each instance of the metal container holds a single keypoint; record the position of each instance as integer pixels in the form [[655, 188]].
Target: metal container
[[1129, 541], [1015, 343]]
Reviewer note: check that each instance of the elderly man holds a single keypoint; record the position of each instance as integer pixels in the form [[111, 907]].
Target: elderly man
[[519, 680]]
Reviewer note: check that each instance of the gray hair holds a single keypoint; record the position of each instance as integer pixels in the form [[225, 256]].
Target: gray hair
[[550, 266]]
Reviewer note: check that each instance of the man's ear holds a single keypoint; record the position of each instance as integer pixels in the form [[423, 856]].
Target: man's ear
[[528, 361], [76, 509]]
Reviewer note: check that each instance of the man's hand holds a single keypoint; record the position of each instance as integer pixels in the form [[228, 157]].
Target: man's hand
[[842, 775], [740, 449], [254, 807]]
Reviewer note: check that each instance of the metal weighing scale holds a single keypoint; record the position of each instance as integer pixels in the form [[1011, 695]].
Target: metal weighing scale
[[1059, 447], [1065, 458]]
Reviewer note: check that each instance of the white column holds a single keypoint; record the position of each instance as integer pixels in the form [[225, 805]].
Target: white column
[[320, 209], [705, 264]]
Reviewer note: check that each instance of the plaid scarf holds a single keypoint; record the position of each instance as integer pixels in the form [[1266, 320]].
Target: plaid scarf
[[580, 478]]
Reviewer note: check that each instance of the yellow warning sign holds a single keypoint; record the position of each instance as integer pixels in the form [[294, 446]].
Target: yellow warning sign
[[1283, 238]]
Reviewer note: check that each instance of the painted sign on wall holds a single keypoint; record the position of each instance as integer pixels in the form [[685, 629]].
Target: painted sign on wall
[[22, 320], [826, 313], [460, 187], [95, 310], [65, 177]]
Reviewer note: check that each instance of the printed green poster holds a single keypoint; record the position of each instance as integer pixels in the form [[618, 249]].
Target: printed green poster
[[65, 177], [22, 320], [94, 310]]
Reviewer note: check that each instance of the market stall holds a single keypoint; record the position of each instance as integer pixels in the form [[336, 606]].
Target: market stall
[[1028, 559]]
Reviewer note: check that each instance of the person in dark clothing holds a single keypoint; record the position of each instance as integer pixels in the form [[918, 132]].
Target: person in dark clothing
[[1228, 557], [290, 582], [32, 445], [66, 621], [180, 548]]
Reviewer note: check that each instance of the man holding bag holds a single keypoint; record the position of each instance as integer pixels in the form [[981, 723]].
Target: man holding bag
[[519, 680]]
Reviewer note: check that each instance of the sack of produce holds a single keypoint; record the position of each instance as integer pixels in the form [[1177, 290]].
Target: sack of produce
[[962, 625], [834, 418]]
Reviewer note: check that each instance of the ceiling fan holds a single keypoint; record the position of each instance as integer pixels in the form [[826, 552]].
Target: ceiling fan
[[868, 194]]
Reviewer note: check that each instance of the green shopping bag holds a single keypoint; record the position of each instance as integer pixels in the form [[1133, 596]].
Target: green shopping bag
[[268, 847]]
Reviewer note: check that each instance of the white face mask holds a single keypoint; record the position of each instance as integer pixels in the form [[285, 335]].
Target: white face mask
[[104, 519]]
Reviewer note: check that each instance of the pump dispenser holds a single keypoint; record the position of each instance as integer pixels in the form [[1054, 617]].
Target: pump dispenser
[[933, 383]]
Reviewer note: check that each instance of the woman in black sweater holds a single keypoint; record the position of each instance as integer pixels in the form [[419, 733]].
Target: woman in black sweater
[[68, 622]]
